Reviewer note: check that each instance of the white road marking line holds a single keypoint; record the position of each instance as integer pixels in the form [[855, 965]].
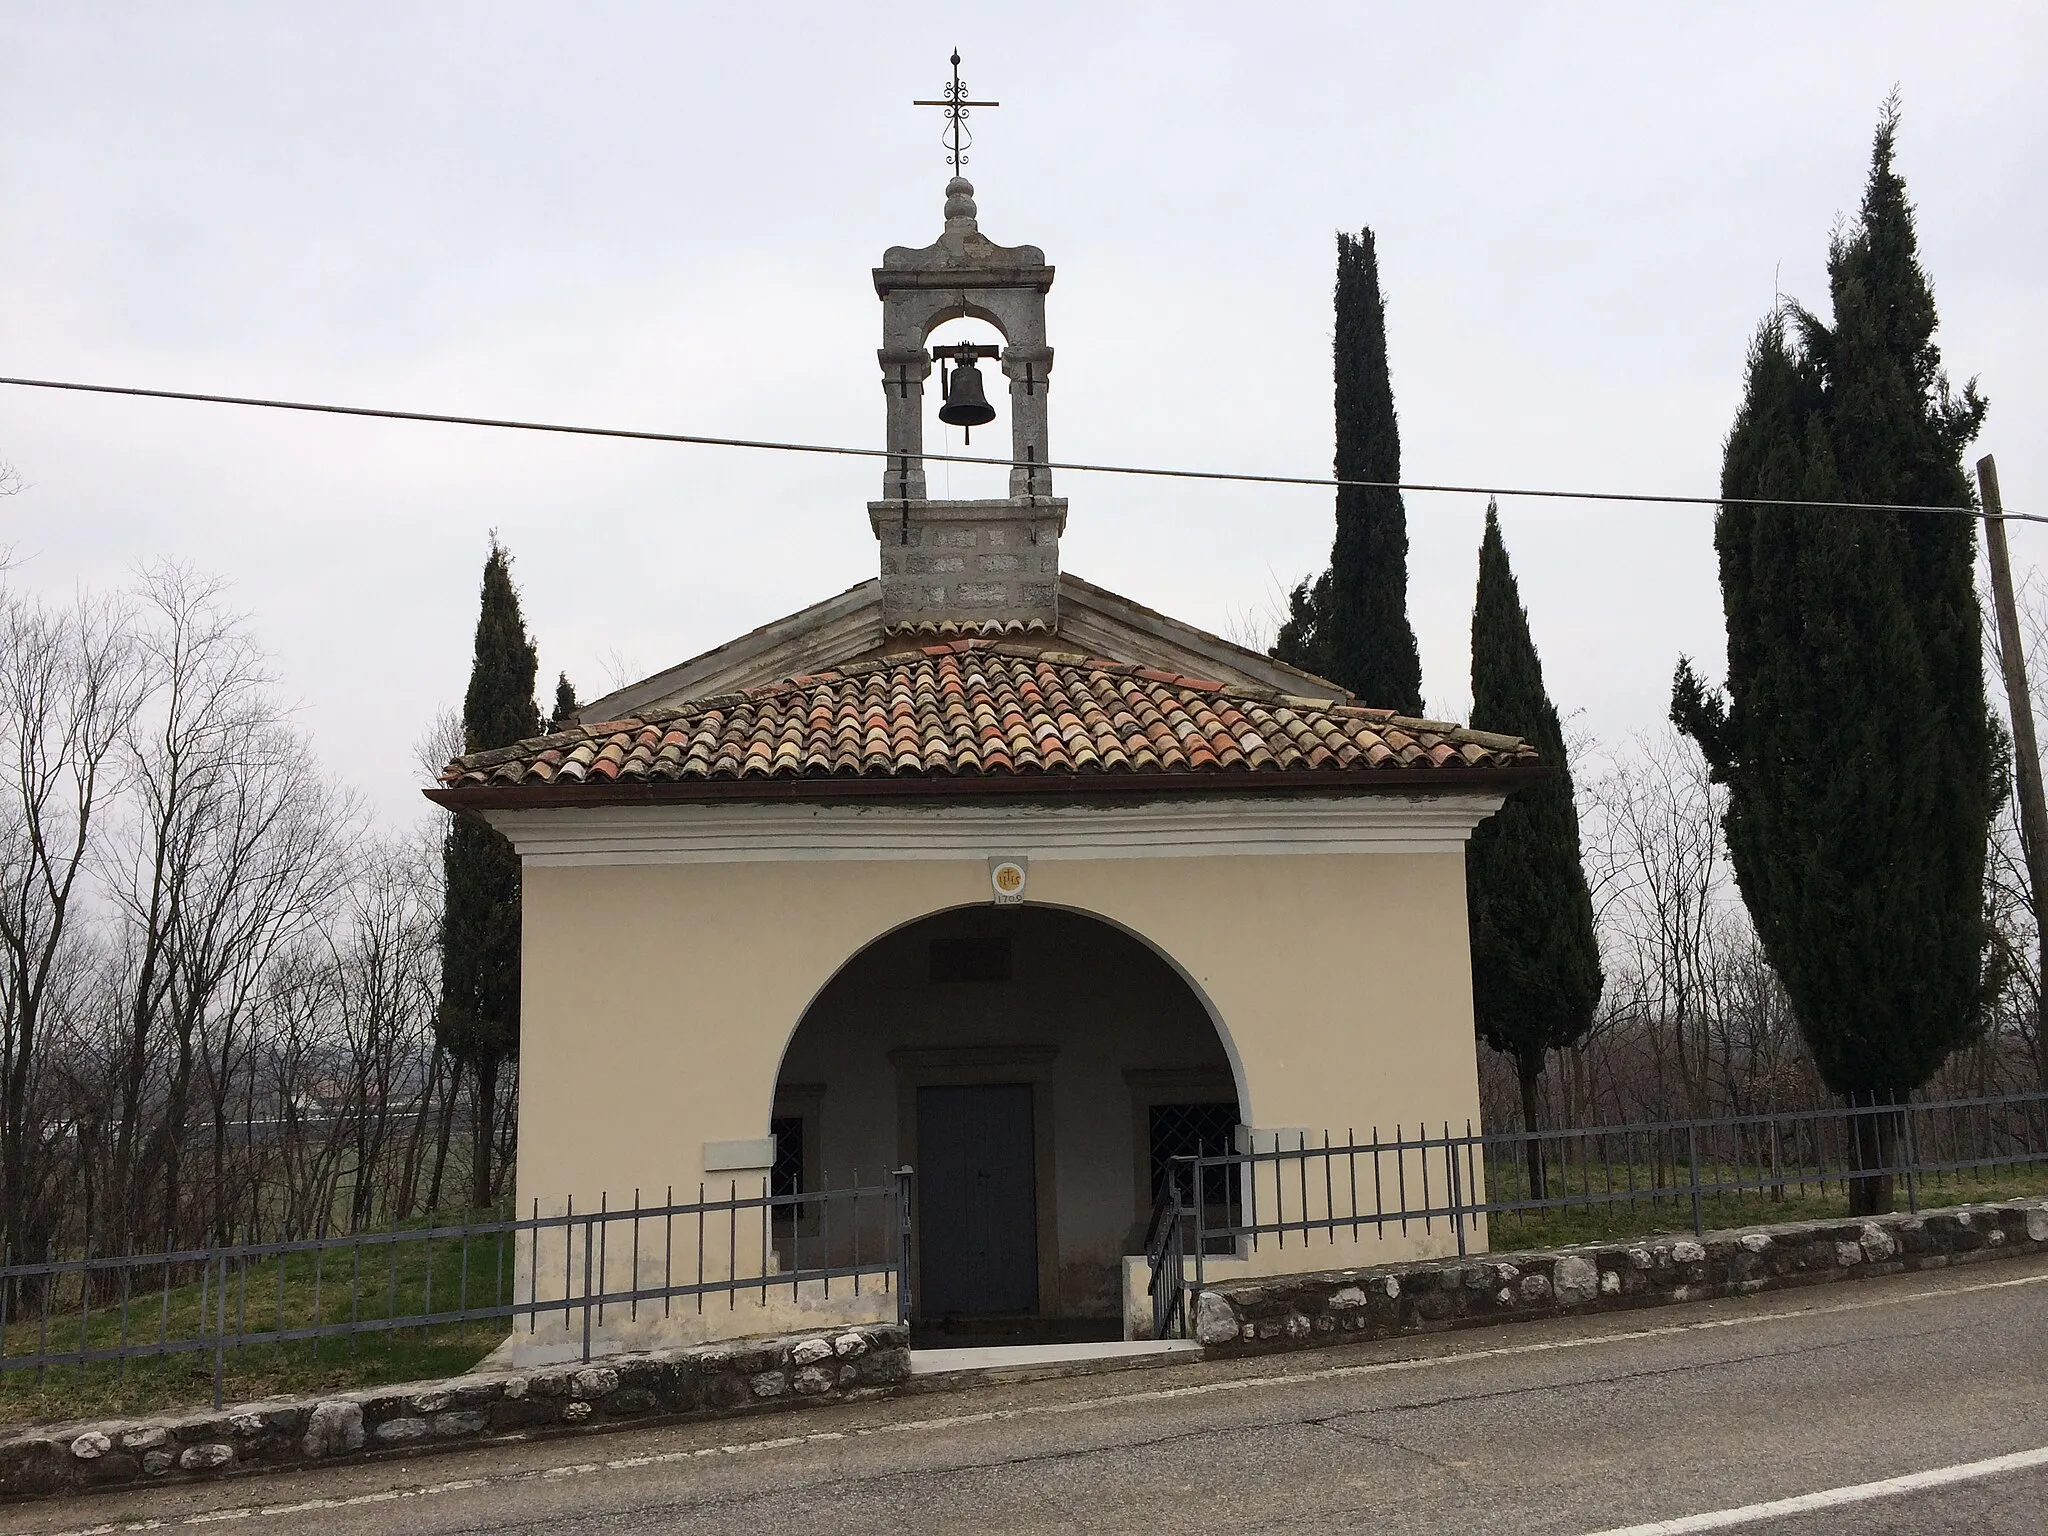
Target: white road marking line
[[1080, 1405], [1831, 1498]]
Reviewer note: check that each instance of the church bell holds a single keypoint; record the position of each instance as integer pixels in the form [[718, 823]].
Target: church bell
[[966, 405]]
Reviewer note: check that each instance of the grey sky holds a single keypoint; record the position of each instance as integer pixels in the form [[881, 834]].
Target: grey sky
[[665, 216]]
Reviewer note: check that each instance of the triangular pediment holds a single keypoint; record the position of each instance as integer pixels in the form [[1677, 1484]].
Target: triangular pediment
[[848, 628]]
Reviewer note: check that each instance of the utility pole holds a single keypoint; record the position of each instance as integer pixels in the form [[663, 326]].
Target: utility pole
[[2025, 751]]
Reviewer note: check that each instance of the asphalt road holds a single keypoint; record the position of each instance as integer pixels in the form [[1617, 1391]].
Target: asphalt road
[[1568, 1427]]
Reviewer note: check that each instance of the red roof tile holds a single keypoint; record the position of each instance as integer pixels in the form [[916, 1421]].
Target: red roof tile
[[977, 708]]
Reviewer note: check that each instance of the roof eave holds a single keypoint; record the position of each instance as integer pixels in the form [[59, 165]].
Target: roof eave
[[1049, 786]]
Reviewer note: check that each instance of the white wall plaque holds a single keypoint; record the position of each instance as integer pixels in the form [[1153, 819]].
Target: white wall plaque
[[1006, 878]]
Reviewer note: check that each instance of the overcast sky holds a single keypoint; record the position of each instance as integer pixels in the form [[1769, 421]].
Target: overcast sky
[[665, 217]]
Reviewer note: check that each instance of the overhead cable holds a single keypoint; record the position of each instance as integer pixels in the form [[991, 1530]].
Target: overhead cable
[[704, 440]]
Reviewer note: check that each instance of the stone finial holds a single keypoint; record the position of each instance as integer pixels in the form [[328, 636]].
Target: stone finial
[[960, 209]]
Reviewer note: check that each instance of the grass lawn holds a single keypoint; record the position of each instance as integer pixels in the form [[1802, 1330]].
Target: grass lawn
[[1622, 1220], [292, 1290]]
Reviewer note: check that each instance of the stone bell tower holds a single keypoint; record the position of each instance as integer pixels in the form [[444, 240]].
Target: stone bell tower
[[966, 561]]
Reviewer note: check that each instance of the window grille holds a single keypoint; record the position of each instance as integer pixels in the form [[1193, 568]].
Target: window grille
[[1194, 1130], [786, 1177]]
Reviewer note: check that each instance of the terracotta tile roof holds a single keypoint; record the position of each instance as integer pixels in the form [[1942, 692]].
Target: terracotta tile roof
[[985, 709]]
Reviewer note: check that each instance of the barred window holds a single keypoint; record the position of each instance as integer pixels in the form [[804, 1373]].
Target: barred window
[[786, 1177], [1194, 1130]]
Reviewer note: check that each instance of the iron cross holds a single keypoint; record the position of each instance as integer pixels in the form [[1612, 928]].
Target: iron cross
[[956, 138]]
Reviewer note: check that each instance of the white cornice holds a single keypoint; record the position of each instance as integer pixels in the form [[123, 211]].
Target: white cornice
[[732, 833]]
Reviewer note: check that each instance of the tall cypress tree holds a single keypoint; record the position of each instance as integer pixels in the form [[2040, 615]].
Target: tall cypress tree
[[1302, 640], [479, 1017], [1352, 625], [1855, 739], [565, 704], [1535, 961]]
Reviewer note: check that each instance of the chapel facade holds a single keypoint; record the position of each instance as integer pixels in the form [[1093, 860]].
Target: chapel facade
[[983, 871]]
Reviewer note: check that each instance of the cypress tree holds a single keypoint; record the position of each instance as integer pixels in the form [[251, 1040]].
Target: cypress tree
[[565, 704], [479, 1017], [1300, 640], [1370, 646], [1535, 961], [1351, 624], [1855, 738]]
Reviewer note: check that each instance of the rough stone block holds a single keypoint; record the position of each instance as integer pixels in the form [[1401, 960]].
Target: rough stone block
[[112, 1469], [33, 1468], [453, 1423], [1216, 1322], [91, 1445], [1575, 1278], [594, 1381], [810, 1351], [333, 1429], [513, 1413], [208, 1457]]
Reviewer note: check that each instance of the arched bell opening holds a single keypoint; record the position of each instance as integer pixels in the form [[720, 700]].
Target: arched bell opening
[[967, 408], [1036, 1068]]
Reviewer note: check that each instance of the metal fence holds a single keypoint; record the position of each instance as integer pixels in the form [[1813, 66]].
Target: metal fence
[[1457, 1186], [561, 1272]]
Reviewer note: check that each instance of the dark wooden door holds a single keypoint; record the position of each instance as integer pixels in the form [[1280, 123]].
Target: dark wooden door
[[977, 1200]]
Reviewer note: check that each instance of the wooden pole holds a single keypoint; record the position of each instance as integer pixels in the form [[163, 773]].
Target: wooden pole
[[2026, 752]]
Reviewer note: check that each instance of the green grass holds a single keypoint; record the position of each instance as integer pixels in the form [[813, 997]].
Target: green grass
[[393, 1281], [1622, 1221]]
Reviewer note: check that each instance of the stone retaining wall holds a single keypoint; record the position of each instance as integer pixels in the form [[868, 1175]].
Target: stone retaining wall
[[701, 1381], [1249, 1317]]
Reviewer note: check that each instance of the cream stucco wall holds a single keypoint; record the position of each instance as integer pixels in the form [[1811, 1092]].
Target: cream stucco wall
[[660, 994]]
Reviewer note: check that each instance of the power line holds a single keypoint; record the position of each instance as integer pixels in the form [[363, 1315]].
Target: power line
[[701, 440]]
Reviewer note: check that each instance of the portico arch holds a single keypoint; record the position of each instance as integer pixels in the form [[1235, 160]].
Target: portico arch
[[1035, 1065]]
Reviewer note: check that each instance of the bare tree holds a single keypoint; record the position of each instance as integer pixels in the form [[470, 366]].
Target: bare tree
[[69, 680]]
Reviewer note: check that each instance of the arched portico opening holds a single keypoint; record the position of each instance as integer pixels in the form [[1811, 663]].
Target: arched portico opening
[[1035, 1066]]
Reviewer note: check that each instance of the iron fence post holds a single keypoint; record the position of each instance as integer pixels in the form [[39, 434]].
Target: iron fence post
[[220, 1325], [1912, 1161], [903, 1177], [1692, 1155], [586, 1289], [1457, 1190]]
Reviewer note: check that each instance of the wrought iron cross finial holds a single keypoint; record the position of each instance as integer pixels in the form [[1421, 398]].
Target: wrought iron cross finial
[[956, 137]]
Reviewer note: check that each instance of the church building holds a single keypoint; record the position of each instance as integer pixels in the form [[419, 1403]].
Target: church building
[[982, 871]]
